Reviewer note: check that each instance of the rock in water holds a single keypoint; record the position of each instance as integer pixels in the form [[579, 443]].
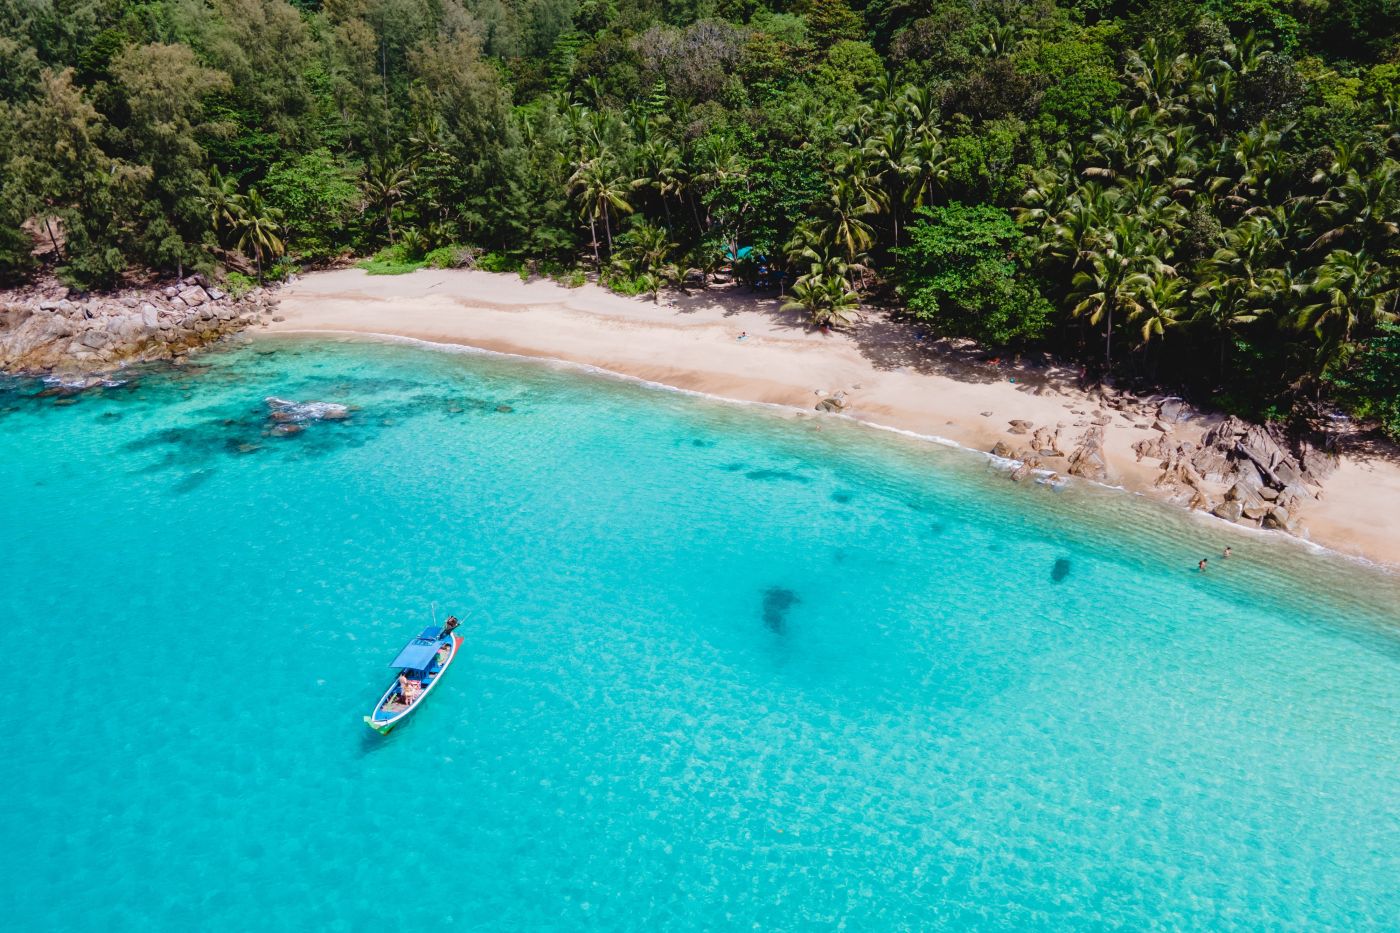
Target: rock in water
[[1060, 570], [777, 601], [286, 411]]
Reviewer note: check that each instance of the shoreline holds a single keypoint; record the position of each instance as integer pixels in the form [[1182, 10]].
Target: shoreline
[[692, 343]]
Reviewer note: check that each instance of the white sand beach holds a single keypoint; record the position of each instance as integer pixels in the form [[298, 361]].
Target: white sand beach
[[693, 342]]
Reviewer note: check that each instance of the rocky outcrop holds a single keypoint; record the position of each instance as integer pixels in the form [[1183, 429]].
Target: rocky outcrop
[[48, 329], [1267, 476], [1237, 471], [1087, 460]]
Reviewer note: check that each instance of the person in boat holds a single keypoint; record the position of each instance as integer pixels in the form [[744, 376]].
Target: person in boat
[[449, 625], [406, 689]]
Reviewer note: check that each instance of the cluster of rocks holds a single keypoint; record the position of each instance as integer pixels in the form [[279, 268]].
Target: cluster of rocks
[[1265, 475], [1241, 472], [46, 328], [288, 417]]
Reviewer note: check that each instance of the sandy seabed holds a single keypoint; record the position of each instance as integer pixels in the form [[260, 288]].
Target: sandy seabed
[[696, 342]]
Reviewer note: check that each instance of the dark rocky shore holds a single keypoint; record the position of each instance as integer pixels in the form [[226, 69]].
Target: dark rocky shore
[[46, 329], [1241, 472]]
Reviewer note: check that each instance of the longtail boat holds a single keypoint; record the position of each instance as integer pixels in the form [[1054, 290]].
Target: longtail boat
[[420, 664]]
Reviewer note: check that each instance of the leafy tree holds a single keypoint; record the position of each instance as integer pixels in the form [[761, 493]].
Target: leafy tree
[[58, 174], [317, 195], [163, 86], [1369, 380], [830, 21], [966, 272]]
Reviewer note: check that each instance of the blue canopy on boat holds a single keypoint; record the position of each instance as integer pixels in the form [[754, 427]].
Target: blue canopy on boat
[[418, 654]]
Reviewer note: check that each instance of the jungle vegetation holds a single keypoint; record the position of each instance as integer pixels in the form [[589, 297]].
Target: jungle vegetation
[[1200, 195]]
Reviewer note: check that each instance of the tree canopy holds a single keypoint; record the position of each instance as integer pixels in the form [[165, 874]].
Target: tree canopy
[[1203, 195]]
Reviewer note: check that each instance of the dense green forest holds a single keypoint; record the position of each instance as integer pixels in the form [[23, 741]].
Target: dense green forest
[[1198, 194]]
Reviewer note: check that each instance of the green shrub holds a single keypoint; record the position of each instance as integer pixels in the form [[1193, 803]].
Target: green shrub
[[450, 257], [237, 284], [498, 262], [391, 260]]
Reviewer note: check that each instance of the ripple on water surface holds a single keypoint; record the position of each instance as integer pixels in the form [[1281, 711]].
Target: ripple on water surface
[[724, 668]]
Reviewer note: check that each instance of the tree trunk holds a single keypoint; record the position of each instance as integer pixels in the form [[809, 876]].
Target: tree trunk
[[894, 210], [699, 230], [666, 206], [607, 229], [593, 231], [1108, 341], [48, 225]]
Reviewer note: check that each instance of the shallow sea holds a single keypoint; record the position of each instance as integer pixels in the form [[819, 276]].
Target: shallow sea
[[725, 668]]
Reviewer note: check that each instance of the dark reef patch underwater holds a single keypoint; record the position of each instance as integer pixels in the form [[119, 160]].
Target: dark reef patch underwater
[[777, 601]]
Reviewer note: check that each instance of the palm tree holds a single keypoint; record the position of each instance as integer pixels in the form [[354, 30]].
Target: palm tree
[[843, 226], [645, 249], [1157, 73], [1362, 206], [601, 190], [385, 185], [1354, 294], [259, 228], [826, 299], [222, 200], [1239, 284], [889, 152], [1158, 298], [662, 169], [1103, 289]]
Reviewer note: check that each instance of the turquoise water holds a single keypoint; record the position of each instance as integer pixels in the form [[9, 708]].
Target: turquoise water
[[726, 668]]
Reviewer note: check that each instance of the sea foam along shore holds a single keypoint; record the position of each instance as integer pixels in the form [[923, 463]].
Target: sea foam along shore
[[734, 345]]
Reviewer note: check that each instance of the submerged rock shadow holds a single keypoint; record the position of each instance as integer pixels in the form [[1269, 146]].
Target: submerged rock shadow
[[777, 601]]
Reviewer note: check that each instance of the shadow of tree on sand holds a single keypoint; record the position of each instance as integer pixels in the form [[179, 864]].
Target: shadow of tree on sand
[[890, 343]]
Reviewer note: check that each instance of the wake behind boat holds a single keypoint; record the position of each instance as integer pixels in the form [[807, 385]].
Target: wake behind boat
[[420, 664]]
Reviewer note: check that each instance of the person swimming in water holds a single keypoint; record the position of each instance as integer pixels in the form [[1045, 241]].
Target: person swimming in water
[[1202, 565], [1227, 551]]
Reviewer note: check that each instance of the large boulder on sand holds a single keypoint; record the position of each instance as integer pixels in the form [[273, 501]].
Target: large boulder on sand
[[1230, 510], [1087, 460]]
